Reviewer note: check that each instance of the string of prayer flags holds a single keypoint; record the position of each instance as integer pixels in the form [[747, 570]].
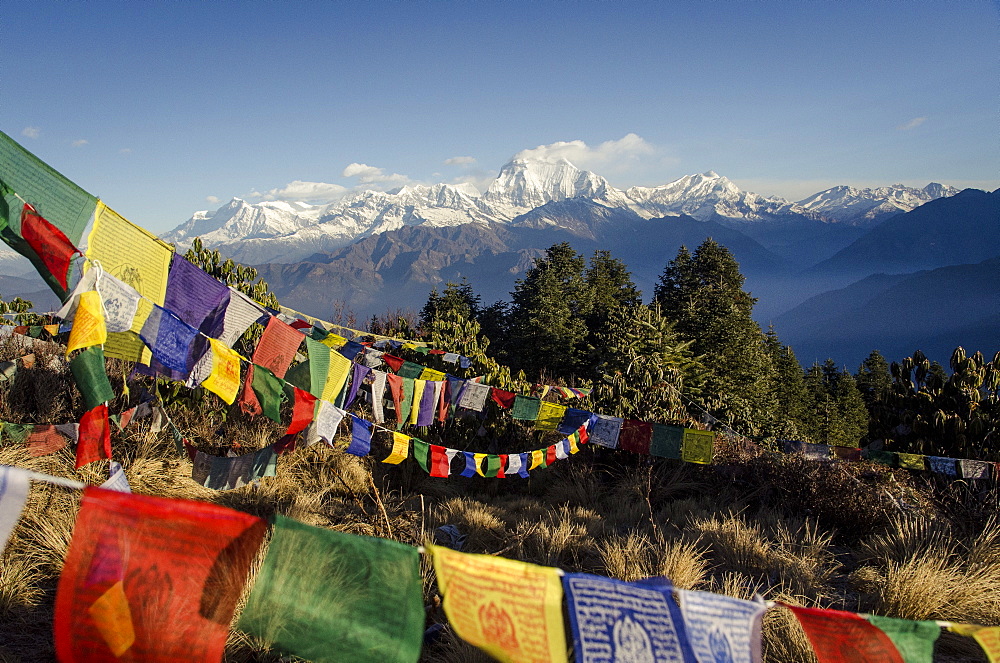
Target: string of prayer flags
[[913, 639], [328, 596], [230, 472], [616, 621], [988, 638], [512, 610], [844, 637], [667, 441], [152, 578], [911, 461], [91, 377], [550, 415], [88, 323], [361, 437], [605, 431], [94, 441], [14, 487], [722, 628], [400, 449], [636, 436], [697, 446], [939, 465]]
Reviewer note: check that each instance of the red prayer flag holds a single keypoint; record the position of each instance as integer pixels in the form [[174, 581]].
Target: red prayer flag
[[48, 242], [550, 455], [845, 637], [126, 417], [248, 399], [44, 439], [636, 436], [392, 362], [302, 411], [299, 324], [94, 442], [504, 399], [396, 391], [277, 347], [503, 464], [152, 578], [437, 352], [440, 465], [584, 435]]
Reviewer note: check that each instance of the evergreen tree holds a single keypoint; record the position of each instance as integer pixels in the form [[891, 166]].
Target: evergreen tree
[[611, 289], [458, 332], [853, 417], [703, 293], [790, 388], [456, 296], [548, 315], [873, 379], [836, 414]]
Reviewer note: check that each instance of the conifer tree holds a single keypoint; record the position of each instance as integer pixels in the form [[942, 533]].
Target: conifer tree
[[456, 296], [790, 388], [703, 293], [611, 290], [548, 315]]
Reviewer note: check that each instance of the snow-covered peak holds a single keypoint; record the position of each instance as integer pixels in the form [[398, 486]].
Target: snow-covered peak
[[530, 183], [870, 205], [239, 219]]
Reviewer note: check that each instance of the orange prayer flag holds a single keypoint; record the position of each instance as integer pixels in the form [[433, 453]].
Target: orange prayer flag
[[94, 442]]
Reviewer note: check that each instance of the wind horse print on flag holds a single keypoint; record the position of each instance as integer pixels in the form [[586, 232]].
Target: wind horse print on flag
[[512, 610], [151, 578], [330, 596]]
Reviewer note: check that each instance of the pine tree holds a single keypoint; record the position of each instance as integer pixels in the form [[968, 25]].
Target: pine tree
[[790, 388], [548, 315], [456, 296], [611, 289], [703, 293]]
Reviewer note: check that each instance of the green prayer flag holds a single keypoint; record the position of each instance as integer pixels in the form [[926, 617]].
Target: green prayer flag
[[268, 389], [330, 596], [492, 465], [91, 377], [914, 640], [319, 366], [526, 408], [407, 401], [17, 433], [421, 349], [410, 370], [667, 441], [421, 451], [882, 457]]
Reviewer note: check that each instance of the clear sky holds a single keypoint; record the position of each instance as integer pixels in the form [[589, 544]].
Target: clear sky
[[165, 108]]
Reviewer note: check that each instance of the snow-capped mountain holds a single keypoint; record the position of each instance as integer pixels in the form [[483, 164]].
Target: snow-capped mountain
[[866, 207], [289, 232]]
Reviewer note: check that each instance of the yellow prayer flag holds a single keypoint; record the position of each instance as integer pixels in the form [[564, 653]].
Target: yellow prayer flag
[[431, 375], [400, 449], [224, 379], [574, 442], [418, 394], [912, 461], [509, 609], [136, 257], [51, 329], [550, 415], [478, 460], [537, 458], [113, 619], [696, 446], [340, 368], [334, 341], [988, 638], [409, 346], [88, 323]]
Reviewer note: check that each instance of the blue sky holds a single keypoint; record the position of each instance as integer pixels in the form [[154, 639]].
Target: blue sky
[[163, 109]]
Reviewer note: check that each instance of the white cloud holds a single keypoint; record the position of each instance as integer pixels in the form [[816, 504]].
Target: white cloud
[[310, 192], [212, 200], [31, 132], [371, 175], [460, 161], [610, 156], [912, 124], [80, 143]]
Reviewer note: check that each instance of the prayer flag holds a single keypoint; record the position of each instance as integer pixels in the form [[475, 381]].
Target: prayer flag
[[302, 411], [616, 621], [538, 459], [336, 377], [852, 454], [361, 437], [320, 357], [974, 469], [478, 458], [572, 420], [409, 386], [914, 640], [722, 628], [240, 313], [473, 395], [88, 323], [49, 243], [418, 396], [552, 454], [269, 392], [396, 392], [45, 439], [393, 362], [550, 415], [525, 408], [471, 466], [325, 423], [844, 637], [428, 403], [494, 467], [503, 398], [329, 596], [912, 461], [882, 457], [151, 578], [14, 486], [431, 375], [945, 466], [667, 441], [378, 395], [421, 454], [94, 442], [195, 297], [169, 338], [818, 452], [277, 347], [117, 479], [224, 380], [636, 436], [512, 610], [410, 370], [562, 449], [400, 449], [91, 378], [440, 461], [605, 431], [988, 638], [697, 446], [357, 378]]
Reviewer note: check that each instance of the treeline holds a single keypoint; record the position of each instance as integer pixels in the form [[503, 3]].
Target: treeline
[[695, 352]]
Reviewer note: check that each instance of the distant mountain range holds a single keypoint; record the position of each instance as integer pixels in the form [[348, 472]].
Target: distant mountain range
[[839, 273]]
